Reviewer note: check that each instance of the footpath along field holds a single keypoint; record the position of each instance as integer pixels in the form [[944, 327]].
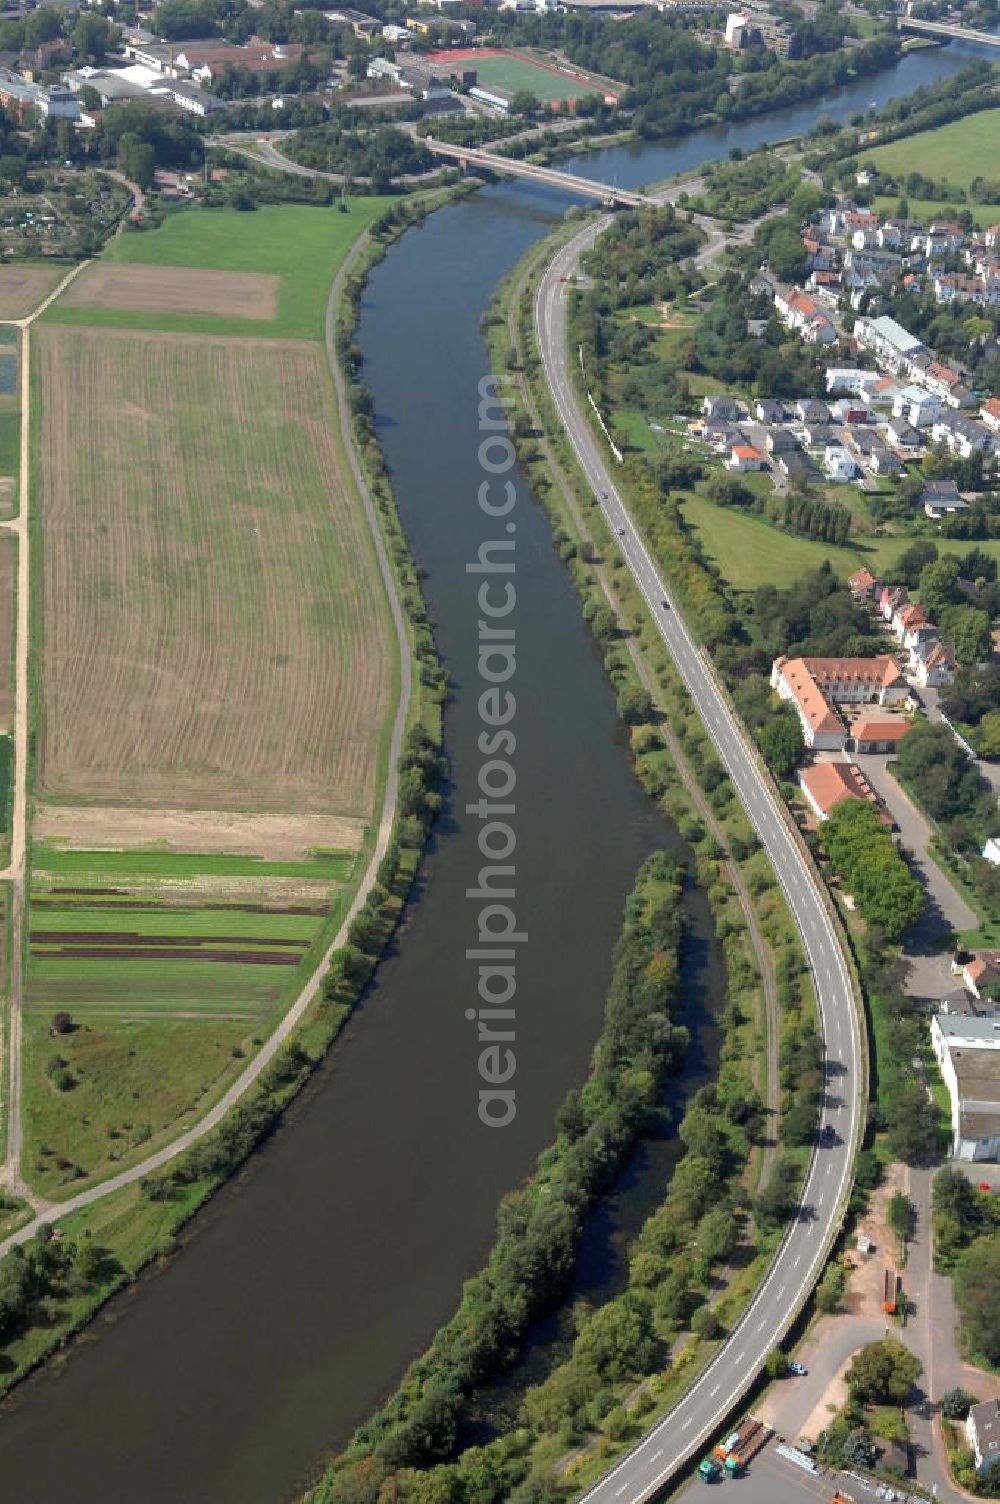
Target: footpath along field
[[215, 676]]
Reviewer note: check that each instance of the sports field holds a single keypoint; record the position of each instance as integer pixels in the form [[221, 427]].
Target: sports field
[[300, 245], [214, 635], [957, 152], [515, 72]]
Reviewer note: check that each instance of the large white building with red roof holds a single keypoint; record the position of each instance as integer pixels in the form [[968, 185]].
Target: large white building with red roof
[[816, 686]]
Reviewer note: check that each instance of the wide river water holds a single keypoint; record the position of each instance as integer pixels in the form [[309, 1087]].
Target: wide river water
[[306, 1286]]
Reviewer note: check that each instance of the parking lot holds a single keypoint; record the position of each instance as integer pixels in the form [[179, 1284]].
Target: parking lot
[[771, 1479]]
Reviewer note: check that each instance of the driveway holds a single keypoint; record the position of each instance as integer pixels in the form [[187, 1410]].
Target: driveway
[[945, 909]]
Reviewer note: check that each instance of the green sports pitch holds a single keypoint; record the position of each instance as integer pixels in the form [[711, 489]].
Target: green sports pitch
[[515, 74]]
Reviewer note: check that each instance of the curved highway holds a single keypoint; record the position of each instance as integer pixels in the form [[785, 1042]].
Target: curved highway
[[700, 1412]]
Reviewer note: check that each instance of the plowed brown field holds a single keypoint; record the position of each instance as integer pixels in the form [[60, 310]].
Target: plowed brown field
[[213, 633], [22, 288], [174, 289]]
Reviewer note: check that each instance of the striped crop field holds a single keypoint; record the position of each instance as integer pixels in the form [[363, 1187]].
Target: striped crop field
[[171, 967], [144, 933]]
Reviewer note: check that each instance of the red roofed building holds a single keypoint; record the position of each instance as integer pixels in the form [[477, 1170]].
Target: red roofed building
[[870, 733], [745, 457], [805, 316], [906, 619], [990, 414], [826, 784], [815, 686], [862, 584]]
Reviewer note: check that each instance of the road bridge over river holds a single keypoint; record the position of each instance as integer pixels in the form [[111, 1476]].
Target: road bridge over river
[[468, 157], [946, 31]]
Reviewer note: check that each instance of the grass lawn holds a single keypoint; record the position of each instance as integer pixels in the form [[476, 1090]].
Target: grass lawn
[[301, 244], [134, 1084], [635, 427], [751, 552], [956, 152], [514, 73], [927, 209]]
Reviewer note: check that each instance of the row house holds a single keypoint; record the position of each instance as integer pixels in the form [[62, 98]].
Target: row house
[[891, 344], [904, 438], [962, 436], [801, 314], [990, 414], [899, 234], [826, 283], [941, 239], [943, 380], [891, 599], [983, 262], [907, 620], [933, 663], [953, 287], [883, 265]]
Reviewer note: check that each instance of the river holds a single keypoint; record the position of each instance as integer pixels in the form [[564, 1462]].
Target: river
[[305, 1287]]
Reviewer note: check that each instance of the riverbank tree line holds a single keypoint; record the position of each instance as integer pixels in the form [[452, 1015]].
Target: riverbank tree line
[[539, 1226]]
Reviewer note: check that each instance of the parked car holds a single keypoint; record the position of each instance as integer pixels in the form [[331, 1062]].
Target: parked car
[[797, 1369]]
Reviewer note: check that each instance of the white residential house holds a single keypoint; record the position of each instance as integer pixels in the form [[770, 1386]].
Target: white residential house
[[722, 405], [743, 458], [891, 344], [849, 381], [937, 666], [838, 464], [990, 414], [918, 406], [968, 1052], [982, 1430], [962, 436]]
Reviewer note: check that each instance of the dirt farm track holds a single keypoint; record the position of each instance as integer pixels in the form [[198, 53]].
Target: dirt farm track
[[174, 289], [213, 634]]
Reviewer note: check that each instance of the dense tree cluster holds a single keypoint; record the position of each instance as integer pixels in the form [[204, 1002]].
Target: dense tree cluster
[[883, 1373], [814, 616], [862, 851], [46, 1270], [380, 154]]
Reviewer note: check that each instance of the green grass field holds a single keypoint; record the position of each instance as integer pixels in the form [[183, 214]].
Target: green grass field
[[128, 1086], [302, 245], [751, 552], [957, 152], [514, 74], [927, 209], [89, 867]]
